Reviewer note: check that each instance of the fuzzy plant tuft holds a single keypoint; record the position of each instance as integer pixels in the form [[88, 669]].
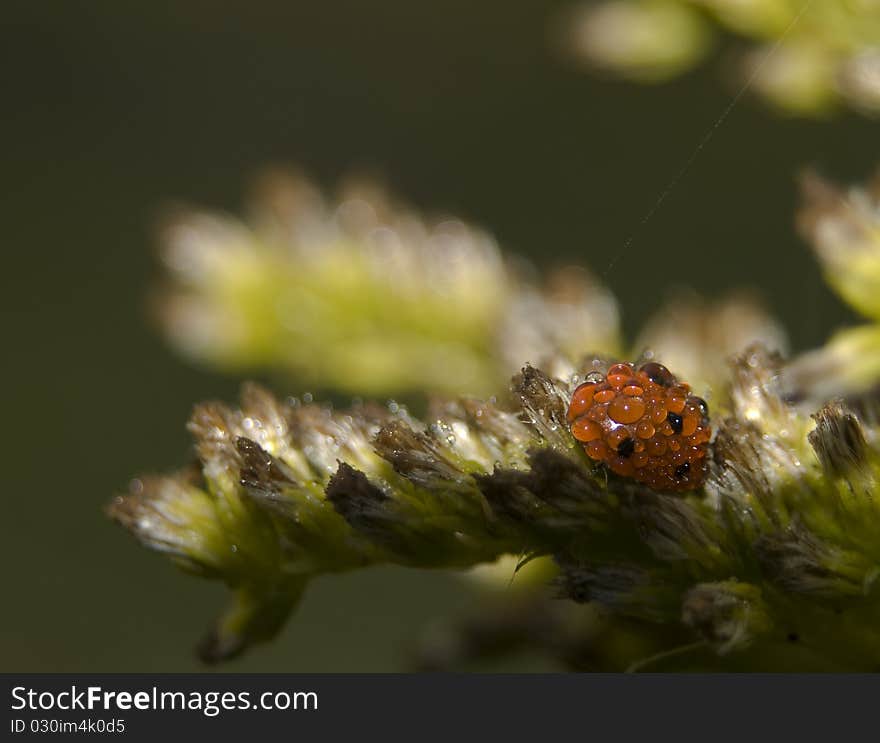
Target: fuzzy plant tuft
[[842, 225], [779, 542], [806, 57], [361, 294]]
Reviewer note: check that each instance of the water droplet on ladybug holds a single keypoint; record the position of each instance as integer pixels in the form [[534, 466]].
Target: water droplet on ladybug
[[624, 409], [658, 374]]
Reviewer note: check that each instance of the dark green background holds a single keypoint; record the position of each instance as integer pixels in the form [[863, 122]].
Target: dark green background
[[112, 108]]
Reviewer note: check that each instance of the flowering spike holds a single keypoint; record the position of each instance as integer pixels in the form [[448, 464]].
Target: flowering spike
[[806, 58], [287, 491], [365, 295]]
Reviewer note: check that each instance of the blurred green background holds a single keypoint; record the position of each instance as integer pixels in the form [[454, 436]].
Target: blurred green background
[[112, 109]]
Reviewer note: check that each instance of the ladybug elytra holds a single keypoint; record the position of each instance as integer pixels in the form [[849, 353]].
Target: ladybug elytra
[[644, 425]]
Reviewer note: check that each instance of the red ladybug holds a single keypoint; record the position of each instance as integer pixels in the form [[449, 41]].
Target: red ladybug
[[644, 425]]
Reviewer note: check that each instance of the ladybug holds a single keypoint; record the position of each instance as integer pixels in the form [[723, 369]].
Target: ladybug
[[643, 425]]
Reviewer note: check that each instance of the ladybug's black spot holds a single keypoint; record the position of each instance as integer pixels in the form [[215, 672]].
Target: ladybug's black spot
[[626, 447], [658, 374], [703, 406], [681, 472], [675, 421]]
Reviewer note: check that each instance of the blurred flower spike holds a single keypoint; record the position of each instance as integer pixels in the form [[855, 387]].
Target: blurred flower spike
[[807, 56], [364, 296], [843, 228]]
